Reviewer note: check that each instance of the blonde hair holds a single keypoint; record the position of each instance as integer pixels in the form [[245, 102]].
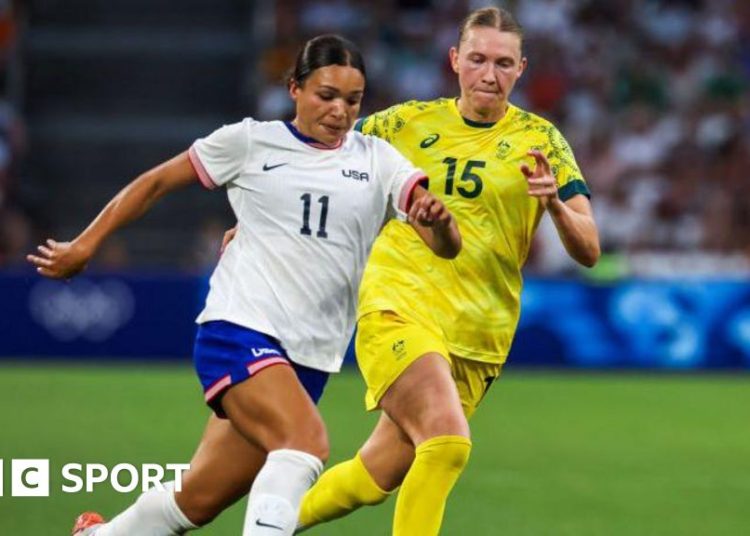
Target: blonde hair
[[490, 17]]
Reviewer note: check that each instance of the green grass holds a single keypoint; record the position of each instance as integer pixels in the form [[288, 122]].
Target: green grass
[[554, 454]]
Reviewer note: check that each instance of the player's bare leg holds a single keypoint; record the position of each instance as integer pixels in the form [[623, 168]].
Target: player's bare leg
[[387, 454], [275, 414], [273, 411], [221, 472], [424, 402], [425, 399]]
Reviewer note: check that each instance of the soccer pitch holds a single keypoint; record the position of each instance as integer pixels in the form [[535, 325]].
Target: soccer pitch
[[554, 453]]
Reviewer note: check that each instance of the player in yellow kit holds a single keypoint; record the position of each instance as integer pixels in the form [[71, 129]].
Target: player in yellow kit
[[433, 334]]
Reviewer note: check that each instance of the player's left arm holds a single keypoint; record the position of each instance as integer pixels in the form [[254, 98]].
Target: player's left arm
[[434, 224], [573, 218]]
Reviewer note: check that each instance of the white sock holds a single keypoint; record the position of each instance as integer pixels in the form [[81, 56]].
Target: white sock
[[277, 492], [155, 513]]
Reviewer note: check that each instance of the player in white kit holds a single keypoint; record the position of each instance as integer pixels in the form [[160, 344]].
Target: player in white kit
[[310, 197]]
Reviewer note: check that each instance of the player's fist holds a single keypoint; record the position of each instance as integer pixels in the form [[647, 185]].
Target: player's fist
[[429, 211], [60, 260]]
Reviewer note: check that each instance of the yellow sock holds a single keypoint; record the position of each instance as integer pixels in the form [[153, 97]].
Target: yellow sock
[[340, 490], [424, 492]]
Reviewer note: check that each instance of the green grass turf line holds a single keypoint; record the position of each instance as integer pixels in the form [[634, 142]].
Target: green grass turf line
[[554, 454]]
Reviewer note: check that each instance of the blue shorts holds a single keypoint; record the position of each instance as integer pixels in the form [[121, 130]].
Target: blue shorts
[[226, 354]]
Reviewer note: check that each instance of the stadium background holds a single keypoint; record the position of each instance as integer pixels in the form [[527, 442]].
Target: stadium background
[[640, 426]]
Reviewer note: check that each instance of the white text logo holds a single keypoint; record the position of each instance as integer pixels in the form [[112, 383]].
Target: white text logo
[[31, 478]]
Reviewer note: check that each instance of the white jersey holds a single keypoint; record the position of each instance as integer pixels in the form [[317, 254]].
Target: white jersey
[[307, 217]]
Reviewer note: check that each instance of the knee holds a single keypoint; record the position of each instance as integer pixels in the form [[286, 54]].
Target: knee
[[450, 452], [310, 437], [423, 413], [439, 422], [318, 444], [314, 439], [456, 453]]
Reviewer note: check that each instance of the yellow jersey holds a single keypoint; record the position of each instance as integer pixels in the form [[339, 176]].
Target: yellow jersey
[[474, 168]]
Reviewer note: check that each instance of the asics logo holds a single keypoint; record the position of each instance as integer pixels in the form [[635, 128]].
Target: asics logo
[[266, 167], [429, 140]]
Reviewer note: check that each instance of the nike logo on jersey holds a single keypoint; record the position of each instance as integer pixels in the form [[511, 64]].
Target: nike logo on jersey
[[429, 140], [261, 524], [266, 167]]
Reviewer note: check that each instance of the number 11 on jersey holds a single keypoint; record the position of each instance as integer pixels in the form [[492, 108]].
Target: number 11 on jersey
[[307, 205]]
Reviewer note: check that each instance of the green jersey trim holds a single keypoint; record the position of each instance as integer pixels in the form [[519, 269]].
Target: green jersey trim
[[573, 188], [477, 124]]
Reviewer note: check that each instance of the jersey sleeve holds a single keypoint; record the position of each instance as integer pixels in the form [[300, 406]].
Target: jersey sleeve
[[371, 125], [399, 176], [218, 158], [385, 124], [570, 181]]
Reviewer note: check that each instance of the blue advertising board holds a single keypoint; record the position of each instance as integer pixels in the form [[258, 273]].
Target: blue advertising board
[[125, 316], [654, 324], [669, 324]]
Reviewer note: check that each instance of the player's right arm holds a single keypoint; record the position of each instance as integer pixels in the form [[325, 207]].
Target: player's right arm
[[61, 260], [429, 217], [434, 224]]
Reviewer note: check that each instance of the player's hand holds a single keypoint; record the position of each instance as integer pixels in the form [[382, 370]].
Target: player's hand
[[429, 211], [542, 184], [228, 237], [60, 260]]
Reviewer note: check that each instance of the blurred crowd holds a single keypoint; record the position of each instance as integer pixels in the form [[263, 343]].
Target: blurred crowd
[[652, 95], [15, 225]]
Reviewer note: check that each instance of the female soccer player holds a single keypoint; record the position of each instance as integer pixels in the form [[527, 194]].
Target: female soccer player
[[433, 334], [310, 197]]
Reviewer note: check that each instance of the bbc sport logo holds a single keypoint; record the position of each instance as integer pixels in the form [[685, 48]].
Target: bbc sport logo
[[31, 477], [28, 478]]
